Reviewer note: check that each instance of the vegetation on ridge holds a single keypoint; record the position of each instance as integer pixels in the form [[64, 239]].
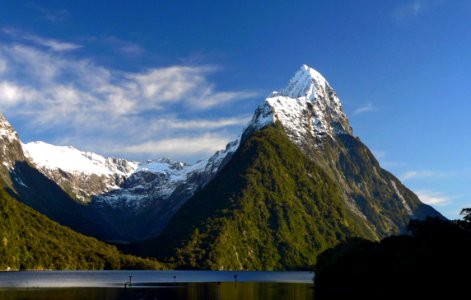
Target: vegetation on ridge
[[270, 208]]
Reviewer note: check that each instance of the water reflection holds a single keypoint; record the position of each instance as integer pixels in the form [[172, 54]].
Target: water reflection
[[197, 291]]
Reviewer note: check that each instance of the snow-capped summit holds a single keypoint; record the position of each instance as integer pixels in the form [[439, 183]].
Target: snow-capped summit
[[307, 108], [305, 83], [6, 130]]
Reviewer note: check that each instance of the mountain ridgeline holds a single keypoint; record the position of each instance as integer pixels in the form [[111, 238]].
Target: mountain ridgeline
[[295, 183]]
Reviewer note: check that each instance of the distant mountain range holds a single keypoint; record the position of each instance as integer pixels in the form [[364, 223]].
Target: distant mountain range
[[296, 182]]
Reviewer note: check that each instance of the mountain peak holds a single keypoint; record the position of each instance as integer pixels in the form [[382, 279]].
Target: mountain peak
[[305, 83], [307, 108], [6, 130], [10, 150]]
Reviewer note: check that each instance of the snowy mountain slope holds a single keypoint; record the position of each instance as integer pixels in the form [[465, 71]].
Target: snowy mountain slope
[[160, 178], [147, 199], [118, 182], [81, 174]]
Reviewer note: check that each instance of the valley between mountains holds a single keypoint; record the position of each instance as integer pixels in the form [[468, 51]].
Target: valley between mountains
[[296, 182]]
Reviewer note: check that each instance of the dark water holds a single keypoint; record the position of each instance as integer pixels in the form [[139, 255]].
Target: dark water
[[196, 291], [110, 285], [62, 279]]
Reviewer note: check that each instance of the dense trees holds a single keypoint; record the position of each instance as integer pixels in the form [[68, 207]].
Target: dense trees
[[29, 240]]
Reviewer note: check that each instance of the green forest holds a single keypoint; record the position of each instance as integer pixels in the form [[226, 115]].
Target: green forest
[[31, 241]]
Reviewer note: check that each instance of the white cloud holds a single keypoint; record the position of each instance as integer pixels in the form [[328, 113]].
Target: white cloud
[[33, 63], [49, 91], [417, 174], [364, 109], [189, 145], [170, 84], [210, 98], [95, 89], [197, 124], [433, 198], [52, 44], [420, 174], [12, 94]]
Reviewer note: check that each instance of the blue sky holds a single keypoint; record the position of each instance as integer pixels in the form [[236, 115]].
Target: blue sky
[[146, 79]]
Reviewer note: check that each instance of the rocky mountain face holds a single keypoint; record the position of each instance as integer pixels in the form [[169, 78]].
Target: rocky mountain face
[[11, 150], [304, 182]]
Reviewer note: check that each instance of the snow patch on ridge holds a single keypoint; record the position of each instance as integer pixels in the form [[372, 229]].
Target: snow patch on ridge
[[403, 200], [71, 160]]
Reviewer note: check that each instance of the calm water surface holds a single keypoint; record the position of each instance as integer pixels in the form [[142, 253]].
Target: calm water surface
[[100, 285]]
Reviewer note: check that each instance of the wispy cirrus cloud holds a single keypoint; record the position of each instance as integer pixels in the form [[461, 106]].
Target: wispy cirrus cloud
[[199, 145], [366, 108], [52, 44], [433, 198], [123, 46], [197, 124], [379, 154], [53, 15], [410, 10], [423, 174], [417, 174], [152, 109]]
